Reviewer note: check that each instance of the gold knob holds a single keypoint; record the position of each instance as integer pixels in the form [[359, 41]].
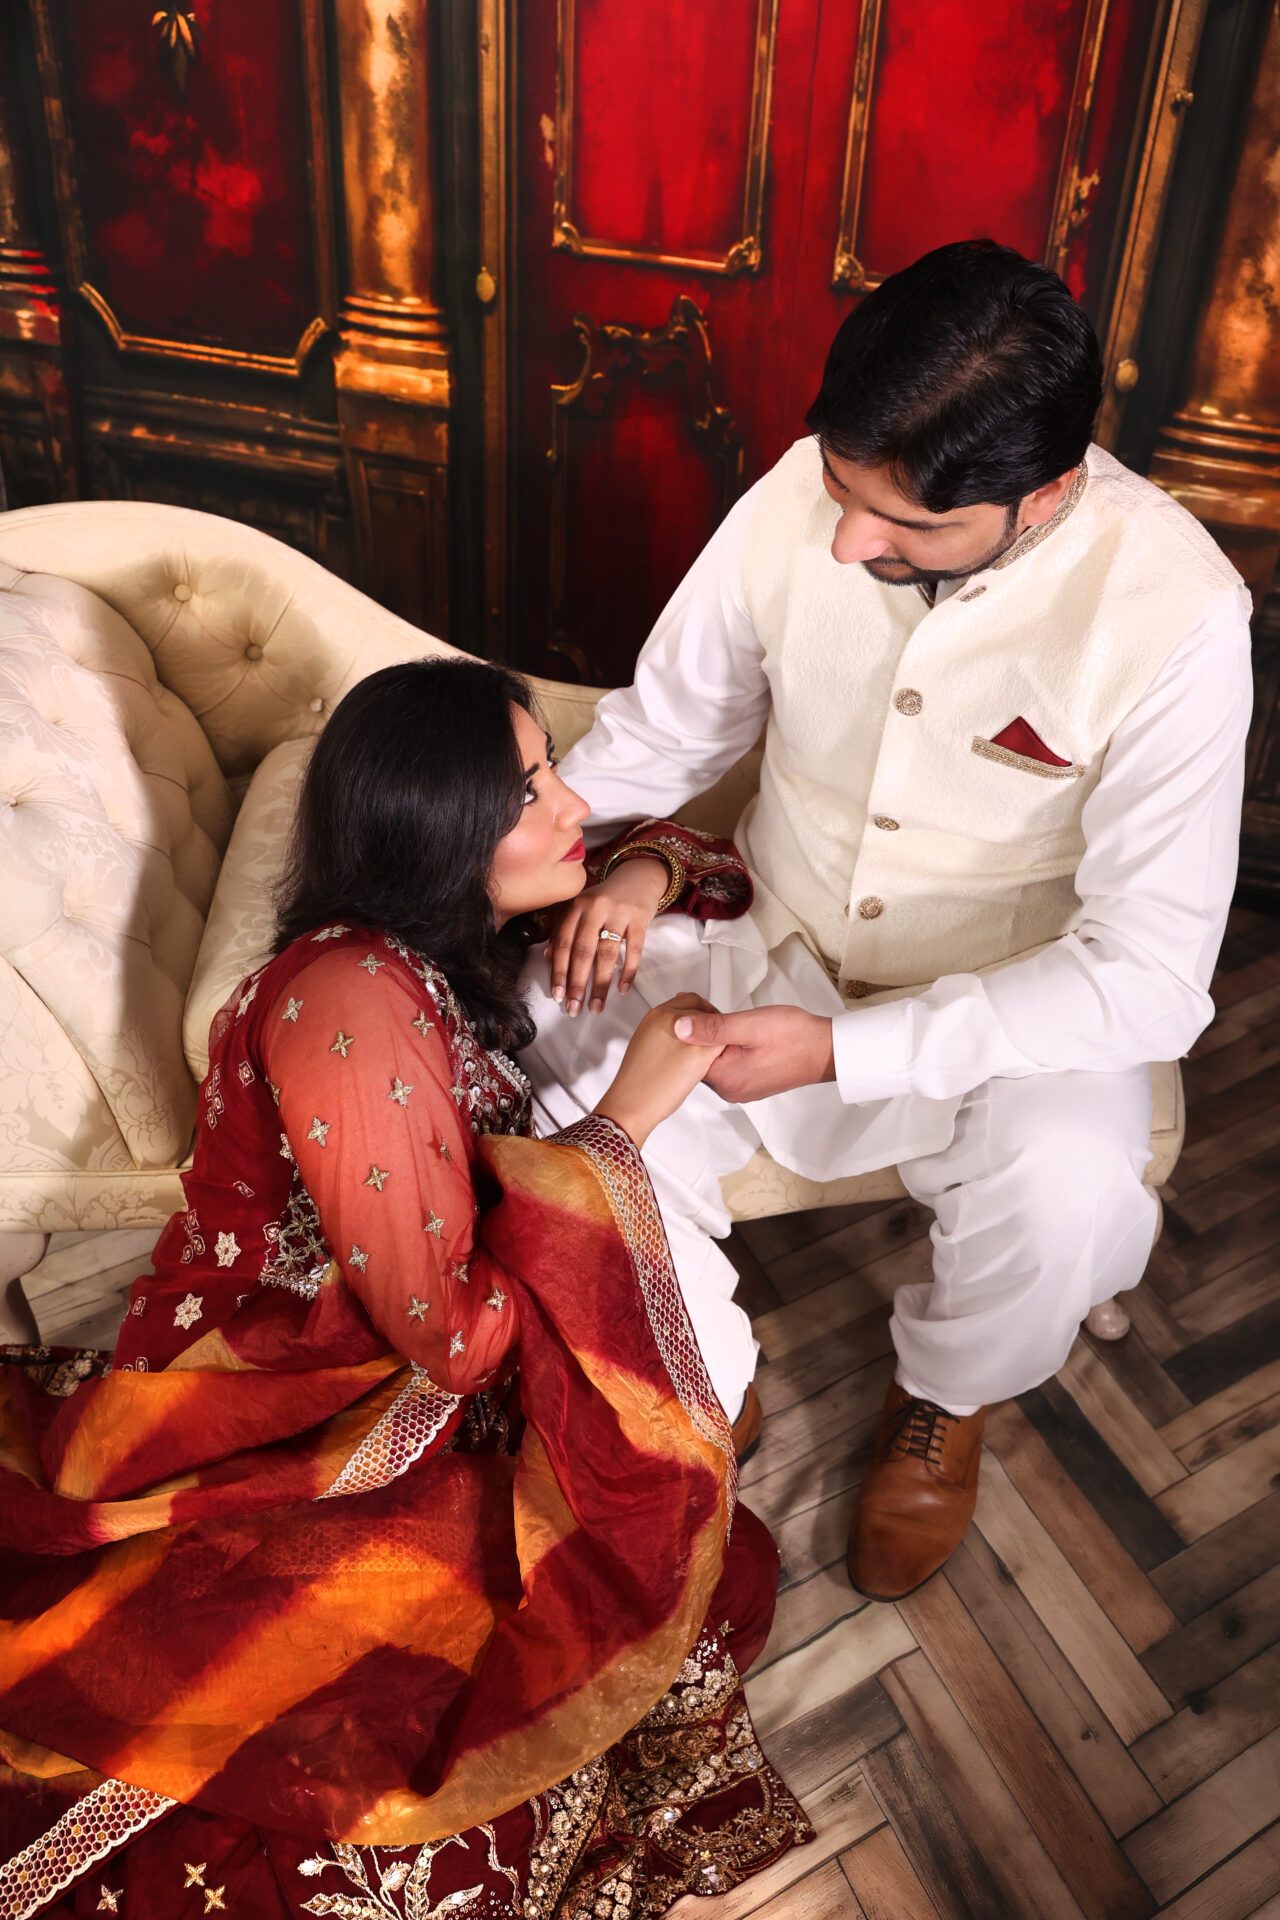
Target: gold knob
[[486, 287], [1182, 98], [1125, 377]]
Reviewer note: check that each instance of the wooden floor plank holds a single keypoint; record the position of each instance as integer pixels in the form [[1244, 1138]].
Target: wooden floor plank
[[1107, 1407], [1233, 1891], [824, 1895], [1214, 1820], [1245, 1286], [1223, 1561], [1063, 1818], [873, 1246], [808, 1609], [1103, 1659], [1224, 1488], [1111, 1575], [943, 1855], [884, 1880], [1209, 1366], [1131, 1363], [1216, 1642], [1190, 1426], [805, 1680], [1219, 1724], [826, 1743], [1031, 1885]]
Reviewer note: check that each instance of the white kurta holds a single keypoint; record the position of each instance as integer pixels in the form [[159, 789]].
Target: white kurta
[[923, 1081]]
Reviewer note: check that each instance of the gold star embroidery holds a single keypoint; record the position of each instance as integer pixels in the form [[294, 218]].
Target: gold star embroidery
[[400, 1092], [417, 1309], [331, 933], [442, 1148], [227, 1249], [213, 1898], [109, 1902], [359, 1259], [342, 1042], [435, 1225], [378, 1177], [195, 1875], [370, 965], [497, 1300], [423, 1024], [189, 1312], [457, 1344], [458, 1271], [286, 1151], [459, 1093], [293, 1009], [319, 1129]]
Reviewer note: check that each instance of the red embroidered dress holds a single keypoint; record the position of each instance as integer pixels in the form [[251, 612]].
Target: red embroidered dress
[[385, 1573]]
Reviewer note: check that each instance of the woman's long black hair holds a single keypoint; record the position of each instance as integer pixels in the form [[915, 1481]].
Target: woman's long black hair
[[412, 784]]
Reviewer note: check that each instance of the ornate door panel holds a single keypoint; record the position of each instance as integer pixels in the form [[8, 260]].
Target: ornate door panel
[[703, 191]]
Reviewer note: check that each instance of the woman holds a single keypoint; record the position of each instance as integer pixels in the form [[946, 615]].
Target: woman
[[385, 1573]]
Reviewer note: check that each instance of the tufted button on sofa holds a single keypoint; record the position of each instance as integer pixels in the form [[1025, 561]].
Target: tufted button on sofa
[[162, 674]]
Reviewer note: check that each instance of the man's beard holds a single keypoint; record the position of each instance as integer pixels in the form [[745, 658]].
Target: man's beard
[[902, 574]]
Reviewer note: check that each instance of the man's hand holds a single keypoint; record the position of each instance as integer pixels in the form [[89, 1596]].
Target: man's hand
[[765, 1050]]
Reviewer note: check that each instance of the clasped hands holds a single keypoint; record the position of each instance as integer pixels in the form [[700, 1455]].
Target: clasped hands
[[762, 1051]]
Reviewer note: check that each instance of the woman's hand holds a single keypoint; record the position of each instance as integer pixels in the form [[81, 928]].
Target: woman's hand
[[654, 1079], [624, 903]]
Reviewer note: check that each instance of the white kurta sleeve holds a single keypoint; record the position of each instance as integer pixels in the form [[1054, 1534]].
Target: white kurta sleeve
[[698, 701], [1131, 984]]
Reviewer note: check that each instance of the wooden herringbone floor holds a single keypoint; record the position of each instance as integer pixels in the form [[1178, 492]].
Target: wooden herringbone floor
[[1081, 1715]]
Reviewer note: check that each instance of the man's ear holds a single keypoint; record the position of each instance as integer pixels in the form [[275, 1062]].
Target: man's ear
[[1041, 505]]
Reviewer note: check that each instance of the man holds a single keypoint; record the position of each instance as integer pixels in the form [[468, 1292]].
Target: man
[[1005, 689]]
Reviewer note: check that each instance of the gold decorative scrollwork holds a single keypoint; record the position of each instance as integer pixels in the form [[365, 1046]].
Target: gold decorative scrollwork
[[746, 254], [610, 355], [851, 274], [180, 38]]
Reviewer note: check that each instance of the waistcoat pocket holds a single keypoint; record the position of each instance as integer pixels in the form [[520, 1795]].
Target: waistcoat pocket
[[1006, 757]]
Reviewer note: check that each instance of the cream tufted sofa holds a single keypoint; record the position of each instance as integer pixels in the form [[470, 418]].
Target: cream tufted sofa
[[162, 673]]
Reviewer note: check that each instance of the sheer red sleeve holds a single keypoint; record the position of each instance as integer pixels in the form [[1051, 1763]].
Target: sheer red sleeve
[[368, 1112], [716, 885]]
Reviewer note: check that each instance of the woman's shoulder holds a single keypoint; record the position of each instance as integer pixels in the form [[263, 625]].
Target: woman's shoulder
[[361, 963]]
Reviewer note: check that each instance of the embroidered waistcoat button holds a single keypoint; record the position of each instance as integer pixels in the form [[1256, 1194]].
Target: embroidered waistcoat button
[[885, 824], [908, 701], [871, 908]]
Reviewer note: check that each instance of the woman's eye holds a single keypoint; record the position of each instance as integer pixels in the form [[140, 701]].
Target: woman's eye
[[529, 793]]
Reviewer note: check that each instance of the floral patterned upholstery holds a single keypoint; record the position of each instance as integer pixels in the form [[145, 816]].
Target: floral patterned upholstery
[[154, 664]]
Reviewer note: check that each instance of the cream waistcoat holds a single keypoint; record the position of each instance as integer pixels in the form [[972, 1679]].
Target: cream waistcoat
[[888, 831]]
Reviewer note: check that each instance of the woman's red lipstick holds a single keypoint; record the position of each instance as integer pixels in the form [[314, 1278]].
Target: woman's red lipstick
[[578, 851]]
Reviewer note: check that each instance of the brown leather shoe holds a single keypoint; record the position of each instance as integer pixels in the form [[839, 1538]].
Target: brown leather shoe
[[917, 1497], [746, 1428]]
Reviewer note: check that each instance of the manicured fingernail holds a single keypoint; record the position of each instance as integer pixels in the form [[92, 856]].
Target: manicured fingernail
[[624, 986], [557, 993], [684, 1029], [574, 1008], [597, 1006]]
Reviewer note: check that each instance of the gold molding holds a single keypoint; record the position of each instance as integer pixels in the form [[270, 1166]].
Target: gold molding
[[610, 354], [1071, 196], [1151, 168], [847, 270], [851, 274], [496, 89], [746, 254], [71, 218]]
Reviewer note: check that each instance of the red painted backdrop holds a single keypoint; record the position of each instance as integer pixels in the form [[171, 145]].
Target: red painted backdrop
[[196, 210], [969, 107]]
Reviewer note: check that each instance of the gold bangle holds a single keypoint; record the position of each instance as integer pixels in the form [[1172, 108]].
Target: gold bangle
[[658, 851]]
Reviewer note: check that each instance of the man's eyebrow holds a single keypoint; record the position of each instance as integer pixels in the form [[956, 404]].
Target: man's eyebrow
[[914, 526]]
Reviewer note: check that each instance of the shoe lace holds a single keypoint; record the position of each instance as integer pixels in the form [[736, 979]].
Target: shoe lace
[[920, 1428]]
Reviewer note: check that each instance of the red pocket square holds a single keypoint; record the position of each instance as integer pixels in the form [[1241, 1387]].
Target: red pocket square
[[1018, 737]]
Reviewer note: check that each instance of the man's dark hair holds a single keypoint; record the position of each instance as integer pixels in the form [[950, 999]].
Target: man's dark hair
[[409, 789], [973, 376]]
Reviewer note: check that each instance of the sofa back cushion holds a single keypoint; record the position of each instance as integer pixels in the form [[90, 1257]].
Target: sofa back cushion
[[113, 818]]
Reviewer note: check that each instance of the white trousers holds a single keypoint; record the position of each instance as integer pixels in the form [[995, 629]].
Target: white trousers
[[1040, 1211]]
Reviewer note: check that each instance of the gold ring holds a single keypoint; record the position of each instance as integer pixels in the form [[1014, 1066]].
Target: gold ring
[[604, 934]]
